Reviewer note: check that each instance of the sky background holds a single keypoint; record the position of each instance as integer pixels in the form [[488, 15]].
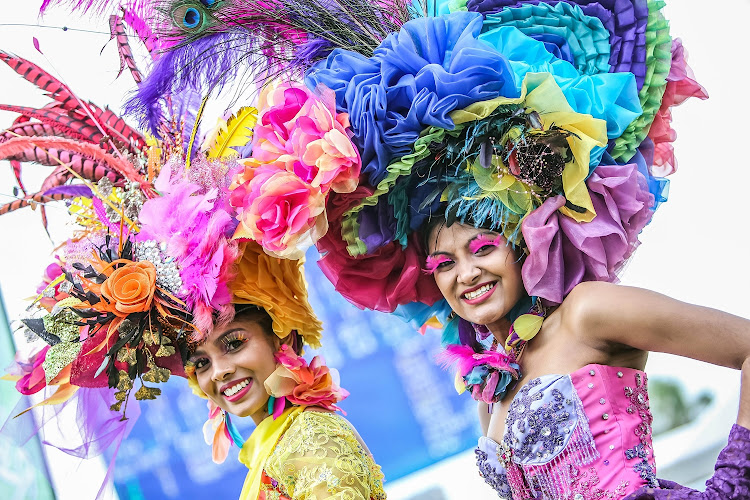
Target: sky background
[[695, 250]]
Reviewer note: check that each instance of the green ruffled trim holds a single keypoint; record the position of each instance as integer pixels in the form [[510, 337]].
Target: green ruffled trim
[[587, 37], [349, 223], [658, 64], [457, 5]]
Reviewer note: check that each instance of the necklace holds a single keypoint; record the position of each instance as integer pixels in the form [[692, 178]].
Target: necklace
[[488, 375]]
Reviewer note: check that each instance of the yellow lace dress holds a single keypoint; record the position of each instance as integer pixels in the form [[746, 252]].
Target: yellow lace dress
[[316, 455]]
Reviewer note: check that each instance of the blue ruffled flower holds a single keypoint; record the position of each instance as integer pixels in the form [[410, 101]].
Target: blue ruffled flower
[[416, 77]]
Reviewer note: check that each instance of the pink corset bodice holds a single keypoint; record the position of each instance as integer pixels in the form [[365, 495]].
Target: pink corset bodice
[[582, 436]]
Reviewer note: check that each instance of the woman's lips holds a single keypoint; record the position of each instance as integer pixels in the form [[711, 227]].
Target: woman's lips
[[479, 293], [239, 394]]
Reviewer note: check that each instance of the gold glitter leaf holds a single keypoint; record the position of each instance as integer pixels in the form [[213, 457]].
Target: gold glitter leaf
[[121, 395], [165, 350], [150, 337], [147, 393], [62, 325], [116, 406], [157, 375], [123, 381], [126, 355]]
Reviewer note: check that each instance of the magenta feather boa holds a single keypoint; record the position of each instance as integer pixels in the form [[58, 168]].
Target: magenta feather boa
[[197, 231]]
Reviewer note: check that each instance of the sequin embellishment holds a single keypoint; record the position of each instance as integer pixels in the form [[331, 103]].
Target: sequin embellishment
[[643, 468], [495, 478]]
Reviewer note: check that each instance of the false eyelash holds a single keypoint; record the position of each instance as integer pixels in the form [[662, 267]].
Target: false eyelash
[[233, 336], [432, 263], [483, 240]]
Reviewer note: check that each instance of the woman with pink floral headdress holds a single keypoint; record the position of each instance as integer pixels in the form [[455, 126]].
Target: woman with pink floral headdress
[[157, 281]]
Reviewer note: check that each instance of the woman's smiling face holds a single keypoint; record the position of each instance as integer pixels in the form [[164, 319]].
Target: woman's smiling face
[[477, 272], [232, 365]]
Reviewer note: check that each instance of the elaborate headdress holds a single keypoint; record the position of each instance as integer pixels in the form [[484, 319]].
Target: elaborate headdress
[[547, 121]]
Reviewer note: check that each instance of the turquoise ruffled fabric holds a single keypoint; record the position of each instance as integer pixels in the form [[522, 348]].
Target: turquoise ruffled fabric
[[612, 97], [586, 36]]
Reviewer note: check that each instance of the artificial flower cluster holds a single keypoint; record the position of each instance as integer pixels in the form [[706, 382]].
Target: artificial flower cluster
[[119, 308], [301, 152], [304, 384]]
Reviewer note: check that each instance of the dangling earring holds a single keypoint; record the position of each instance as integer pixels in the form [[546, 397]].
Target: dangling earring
[[276, 406], [219, 432]]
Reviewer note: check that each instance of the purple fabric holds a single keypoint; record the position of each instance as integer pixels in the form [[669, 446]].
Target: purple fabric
[[98, 428], [731, 479], [564, 252], [626, 21], [377, 226], [209, 62]]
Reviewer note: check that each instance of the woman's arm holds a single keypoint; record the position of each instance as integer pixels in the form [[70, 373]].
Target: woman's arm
[[603, 314], [743, 417]]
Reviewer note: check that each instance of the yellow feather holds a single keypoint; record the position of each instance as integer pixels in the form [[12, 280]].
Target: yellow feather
[[528, 325], [458, 383], [239, 130]]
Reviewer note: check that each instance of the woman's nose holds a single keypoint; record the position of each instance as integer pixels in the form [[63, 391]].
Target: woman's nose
[[468, 273], [221, 370]]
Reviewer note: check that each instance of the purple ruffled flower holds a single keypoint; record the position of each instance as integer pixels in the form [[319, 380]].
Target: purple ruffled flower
[[564, 252], [377, 226]]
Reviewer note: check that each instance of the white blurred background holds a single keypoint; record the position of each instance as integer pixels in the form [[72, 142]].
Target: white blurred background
[[696, 249]]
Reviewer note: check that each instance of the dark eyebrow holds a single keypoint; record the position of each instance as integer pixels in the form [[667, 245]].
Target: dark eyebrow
[[439, 253]]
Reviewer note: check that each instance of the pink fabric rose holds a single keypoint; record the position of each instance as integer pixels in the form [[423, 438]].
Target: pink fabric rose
[[280, 211], [303, 134]]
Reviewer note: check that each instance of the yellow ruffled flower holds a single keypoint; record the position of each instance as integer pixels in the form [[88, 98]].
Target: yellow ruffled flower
[[278, 286]]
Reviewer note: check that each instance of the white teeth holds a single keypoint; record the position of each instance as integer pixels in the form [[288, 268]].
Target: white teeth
[[236, 388], [478, 292]]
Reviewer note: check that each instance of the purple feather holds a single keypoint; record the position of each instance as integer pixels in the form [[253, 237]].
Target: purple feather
[[70, 190], [206, 64], [310, 52], [184, 110]]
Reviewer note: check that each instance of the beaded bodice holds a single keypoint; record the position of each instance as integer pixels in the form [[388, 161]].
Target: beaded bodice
[[582, 436]]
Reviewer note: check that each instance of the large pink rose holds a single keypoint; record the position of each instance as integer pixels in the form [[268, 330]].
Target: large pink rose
[[303, 132], [280, 211]]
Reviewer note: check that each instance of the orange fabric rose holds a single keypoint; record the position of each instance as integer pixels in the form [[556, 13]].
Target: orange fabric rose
[[129, 289], [303, 384]]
